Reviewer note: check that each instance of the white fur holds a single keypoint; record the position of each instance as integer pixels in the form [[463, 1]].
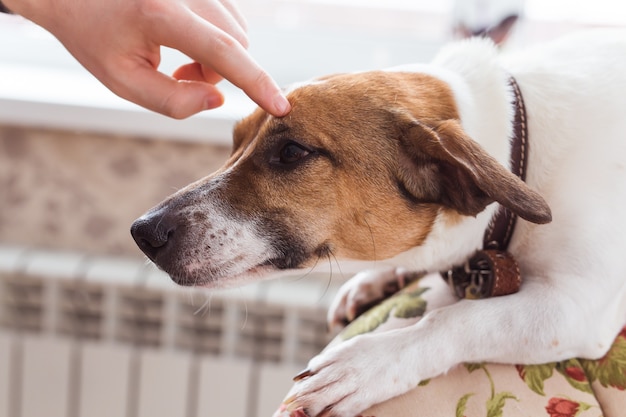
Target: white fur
[[573, 299]]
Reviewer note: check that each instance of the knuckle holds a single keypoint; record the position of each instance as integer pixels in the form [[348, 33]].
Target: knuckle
[[224, 44], [171, 106], [154, 10], [263, 79]]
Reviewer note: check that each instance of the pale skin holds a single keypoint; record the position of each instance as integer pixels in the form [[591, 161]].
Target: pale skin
[[119, 42]]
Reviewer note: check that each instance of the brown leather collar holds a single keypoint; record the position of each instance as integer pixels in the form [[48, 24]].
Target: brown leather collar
[[500, 231], [493, 271]]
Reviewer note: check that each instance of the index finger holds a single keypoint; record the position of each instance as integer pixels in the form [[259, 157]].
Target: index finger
[[210, 46]]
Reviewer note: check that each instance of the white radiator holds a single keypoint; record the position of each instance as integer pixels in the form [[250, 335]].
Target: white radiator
[[94, 337]]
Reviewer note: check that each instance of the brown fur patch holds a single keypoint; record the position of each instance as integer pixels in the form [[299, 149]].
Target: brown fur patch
[[346, 196]]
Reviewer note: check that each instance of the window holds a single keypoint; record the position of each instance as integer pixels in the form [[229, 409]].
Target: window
[[292, 39]]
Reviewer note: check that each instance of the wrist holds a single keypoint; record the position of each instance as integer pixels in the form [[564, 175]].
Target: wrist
[[33, 10], [4, 8], [11, 6], [24, 8]]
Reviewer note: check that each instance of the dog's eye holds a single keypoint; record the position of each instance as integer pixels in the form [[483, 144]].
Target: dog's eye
[[290, 153]]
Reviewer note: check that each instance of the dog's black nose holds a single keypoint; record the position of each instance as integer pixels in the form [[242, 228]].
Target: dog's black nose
[[152, 232]]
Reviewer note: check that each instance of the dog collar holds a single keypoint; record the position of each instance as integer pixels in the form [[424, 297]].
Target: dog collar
[[493, 271]]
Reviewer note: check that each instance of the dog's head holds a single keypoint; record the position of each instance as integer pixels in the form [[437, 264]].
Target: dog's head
[[362, 168]]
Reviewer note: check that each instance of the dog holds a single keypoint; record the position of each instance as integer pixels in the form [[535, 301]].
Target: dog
[[410, 165]]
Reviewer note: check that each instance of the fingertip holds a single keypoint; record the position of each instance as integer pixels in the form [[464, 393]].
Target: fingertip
[[191, 97], [205, 97], [213, 100], [190, 72], [282, 107]]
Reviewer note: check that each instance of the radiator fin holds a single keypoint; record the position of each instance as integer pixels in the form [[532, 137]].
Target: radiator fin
[[87, 336]]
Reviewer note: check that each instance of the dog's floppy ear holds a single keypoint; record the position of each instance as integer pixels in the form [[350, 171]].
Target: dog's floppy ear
[[442, 164]]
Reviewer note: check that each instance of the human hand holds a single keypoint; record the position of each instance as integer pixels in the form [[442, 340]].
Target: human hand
[[119, 42]]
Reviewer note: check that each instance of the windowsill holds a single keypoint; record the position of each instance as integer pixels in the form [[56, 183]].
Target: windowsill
[[41, 85]]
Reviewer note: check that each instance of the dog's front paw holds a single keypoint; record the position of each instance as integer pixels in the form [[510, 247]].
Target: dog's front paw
[[365, 290], [348, 379]]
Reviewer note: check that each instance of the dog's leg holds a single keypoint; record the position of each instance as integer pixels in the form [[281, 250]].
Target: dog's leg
[[542, 323], [366, 289]]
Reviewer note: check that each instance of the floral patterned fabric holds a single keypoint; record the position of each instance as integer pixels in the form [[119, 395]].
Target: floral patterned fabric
[[572, 388]]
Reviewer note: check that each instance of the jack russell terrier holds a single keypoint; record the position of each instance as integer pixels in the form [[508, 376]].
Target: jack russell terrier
[[412, 165]]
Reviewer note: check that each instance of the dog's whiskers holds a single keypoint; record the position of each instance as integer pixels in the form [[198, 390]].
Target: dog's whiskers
[[160, 221], [375, 258], [308, 272], [206, 305], [330, 275], [245, 304]]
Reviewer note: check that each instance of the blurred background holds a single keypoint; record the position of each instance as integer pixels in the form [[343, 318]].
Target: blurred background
[[87, 327]]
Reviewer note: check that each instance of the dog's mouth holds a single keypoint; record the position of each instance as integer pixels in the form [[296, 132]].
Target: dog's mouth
[[193, 274], [224, 255], [189, 265], [210, 279]]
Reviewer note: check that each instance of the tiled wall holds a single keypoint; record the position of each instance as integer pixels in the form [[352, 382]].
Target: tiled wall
[[81, 191]]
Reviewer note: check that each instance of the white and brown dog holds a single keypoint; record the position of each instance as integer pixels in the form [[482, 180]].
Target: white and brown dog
[[410, 165]]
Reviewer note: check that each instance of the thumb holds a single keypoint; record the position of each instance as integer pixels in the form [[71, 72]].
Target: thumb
[[156, 91]]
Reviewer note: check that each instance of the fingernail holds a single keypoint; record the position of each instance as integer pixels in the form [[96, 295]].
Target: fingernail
[[304, 374], [213, 101], [282, 105], [298, 413], [351, 314], [293, 407]]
